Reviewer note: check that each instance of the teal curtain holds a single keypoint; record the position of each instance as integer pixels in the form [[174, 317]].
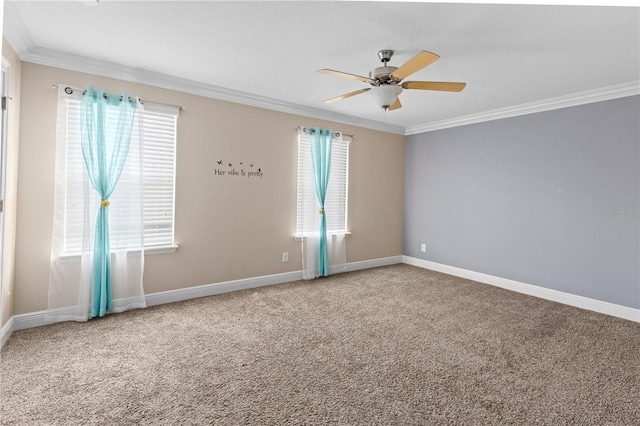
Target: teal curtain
[[106, 123], [321, 160]]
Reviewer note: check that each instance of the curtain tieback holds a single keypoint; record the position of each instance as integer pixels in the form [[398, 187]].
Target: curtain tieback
[[321, 211], [105, 203]]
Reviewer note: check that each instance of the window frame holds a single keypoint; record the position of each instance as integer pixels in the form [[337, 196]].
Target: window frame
[[152, 115], [339, 164]]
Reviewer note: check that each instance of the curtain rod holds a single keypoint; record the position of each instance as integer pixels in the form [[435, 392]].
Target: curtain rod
[[180, 107], [304, 129]]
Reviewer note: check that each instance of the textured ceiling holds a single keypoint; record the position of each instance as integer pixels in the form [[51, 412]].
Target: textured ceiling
[[508, 54]]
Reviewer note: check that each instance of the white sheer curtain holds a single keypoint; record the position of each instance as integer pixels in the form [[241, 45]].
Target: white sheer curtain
[[335, 206], [75, 207], [337, 254]]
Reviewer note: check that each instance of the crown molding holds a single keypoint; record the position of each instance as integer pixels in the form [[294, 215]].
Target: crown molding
[[15, 31], [575, 99], [23, 44], [53, 58], [72, 62], [20, 40]]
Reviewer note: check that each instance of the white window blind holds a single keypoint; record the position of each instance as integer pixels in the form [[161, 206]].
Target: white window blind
[[335, 206], [158, 164]]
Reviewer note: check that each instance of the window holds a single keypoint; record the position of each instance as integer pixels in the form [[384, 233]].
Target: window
[[336, 197], [159, 132]]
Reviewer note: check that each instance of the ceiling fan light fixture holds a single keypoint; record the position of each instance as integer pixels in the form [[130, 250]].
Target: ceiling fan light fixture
[[386, 81], [385, 95]]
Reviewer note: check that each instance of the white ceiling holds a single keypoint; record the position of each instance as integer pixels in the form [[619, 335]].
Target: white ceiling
[[512, 57]]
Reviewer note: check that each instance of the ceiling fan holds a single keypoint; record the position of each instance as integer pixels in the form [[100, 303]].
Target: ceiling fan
[[386, 81]]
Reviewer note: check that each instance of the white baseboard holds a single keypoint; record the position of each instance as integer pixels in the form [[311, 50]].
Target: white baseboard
[[243, 284], [599, 306], [219, 288], [6, 331], [374, 263], [36, 319]]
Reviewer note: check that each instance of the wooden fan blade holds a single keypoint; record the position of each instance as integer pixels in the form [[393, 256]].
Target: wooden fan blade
[[395, 105], [414, 64], [345, 75], [445, 86], [345, 96]]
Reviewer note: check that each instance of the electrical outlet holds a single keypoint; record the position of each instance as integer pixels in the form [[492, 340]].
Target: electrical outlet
[[285, 257], [423, 248]]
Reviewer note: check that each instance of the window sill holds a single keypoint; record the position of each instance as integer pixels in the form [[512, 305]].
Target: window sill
[[329, 234], [161, 250], [151, 250]]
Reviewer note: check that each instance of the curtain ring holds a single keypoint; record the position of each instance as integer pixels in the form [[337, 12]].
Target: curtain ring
[[68, 90], [105, 203]]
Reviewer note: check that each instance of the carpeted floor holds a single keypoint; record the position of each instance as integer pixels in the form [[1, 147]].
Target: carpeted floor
[[392, 345]]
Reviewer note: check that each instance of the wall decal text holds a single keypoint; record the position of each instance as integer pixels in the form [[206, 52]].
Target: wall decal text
[[239, 171]]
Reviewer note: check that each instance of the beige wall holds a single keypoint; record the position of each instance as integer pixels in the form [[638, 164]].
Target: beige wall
[[227, 228], [11, 184]]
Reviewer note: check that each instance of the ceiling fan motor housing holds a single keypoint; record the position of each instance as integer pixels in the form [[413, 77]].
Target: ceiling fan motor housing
[[382, 75]]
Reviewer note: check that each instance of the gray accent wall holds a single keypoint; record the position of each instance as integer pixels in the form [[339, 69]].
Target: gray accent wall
[[549, 199]]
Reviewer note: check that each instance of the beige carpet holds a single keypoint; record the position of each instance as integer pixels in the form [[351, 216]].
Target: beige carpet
[[392, 345]]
